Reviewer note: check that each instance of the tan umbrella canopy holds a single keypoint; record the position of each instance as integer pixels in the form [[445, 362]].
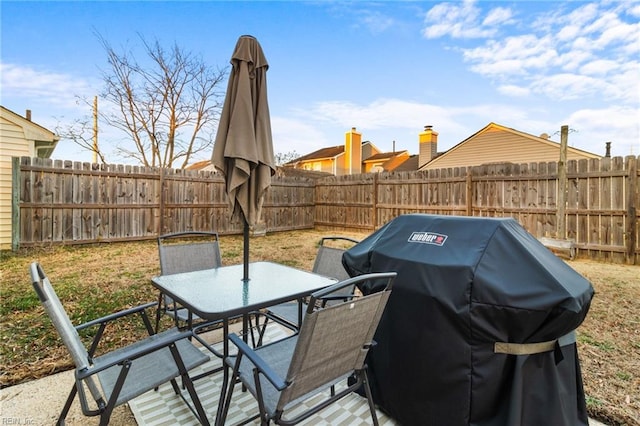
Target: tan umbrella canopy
[[243, 150]]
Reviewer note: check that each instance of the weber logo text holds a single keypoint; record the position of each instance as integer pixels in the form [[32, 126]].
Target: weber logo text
[[428, 238]]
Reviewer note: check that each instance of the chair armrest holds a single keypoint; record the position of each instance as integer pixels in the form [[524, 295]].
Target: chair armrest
[[111, 317], [388, 276], [207, 345], [338, 238], [255, 359], [133, 351], [345, 296]]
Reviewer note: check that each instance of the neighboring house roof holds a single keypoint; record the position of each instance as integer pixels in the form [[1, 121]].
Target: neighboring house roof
[[389, 161], [45, 140], [321, 154], [383, 156], [409, 165], [506, 145], [326, 154], [201, 165]]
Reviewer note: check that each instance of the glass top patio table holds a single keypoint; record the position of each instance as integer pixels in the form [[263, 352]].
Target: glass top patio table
[[221, 293]]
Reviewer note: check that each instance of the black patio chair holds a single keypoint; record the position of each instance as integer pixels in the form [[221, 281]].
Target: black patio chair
[[117, 377], [329, 349], [328, 262], [185, 252]]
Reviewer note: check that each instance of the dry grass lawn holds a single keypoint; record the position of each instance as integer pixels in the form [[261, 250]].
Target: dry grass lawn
[[103, 278]]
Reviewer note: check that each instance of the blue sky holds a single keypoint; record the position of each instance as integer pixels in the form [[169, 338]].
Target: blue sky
[[386, 68]]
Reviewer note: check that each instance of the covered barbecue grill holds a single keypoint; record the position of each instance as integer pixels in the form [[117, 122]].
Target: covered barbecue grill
[[480, 327]]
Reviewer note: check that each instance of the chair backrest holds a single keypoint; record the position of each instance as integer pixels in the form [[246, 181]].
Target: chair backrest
[[56, 312], [188, 251], [334, 341], [329, 259]]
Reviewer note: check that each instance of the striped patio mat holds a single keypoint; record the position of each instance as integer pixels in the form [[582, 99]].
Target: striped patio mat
[[164, 407]]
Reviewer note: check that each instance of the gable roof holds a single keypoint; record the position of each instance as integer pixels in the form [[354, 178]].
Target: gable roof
[[325, 153], [409, 165], [201, 165], [459, 149], [321, 154], [45, 140], [383, 156]]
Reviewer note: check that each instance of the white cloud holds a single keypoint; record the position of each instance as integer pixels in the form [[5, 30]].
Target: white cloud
[[572, 60], [385, 120], [499, 15], [461, 21], [41, 85], [515, 91], [562, 54], [568, 32], [375, 21], [297, 135], [599, 67], [616, 32], [582, 16], [618, 125], [379, 114], [518, 55], [566, 86], [626, 83]]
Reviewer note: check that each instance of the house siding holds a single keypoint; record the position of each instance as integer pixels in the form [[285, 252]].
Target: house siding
[[18, 138], [12, 144], [494, 145]]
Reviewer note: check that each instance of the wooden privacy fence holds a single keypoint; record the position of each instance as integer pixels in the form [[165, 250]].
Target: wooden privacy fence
[[66, 202], [601, 200], [74, 203]]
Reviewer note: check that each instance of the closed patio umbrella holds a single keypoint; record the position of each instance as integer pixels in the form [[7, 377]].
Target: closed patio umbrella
[[243, 150]]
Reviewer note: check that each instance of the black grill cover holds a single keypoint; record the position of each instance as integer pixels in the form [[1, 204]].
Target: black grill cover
[[464, 284]]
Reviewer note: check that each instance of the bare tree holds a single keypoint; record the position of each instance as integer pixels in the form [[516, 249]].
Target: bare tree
[[168, 108], [81, 132], [284, 157]]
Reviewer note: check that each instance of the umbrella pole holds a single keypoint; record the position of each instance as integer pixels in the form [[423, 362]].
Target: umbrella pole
[[246, 251]]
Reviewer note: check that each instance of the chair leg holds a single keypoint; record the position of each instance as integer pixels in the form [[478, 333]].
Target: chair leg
[[158, 313], [105, 417], [225, 401], [186, 382], [227, 392], [264, 417], [367, 390], [175, 387], [263, 329], [67, 406]]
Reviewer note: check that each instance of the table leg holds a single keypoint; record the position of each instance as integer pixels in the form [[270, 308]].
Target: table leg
[[225, 368]]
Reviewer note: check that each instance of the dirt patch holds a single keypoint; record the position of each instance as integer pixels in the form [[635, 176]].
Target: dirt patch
[[103, 278]]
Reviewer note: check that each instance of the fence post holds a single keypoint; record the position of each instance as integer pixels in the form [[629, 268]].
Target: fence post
[[561, 231], [374, 213], [15, 203], [469, 192], [632, 199], [161, 204]]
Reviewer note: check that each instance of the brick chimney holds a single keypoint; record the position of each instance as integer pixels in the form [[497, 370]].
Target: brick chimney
[[428, 145], [353, 152]]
